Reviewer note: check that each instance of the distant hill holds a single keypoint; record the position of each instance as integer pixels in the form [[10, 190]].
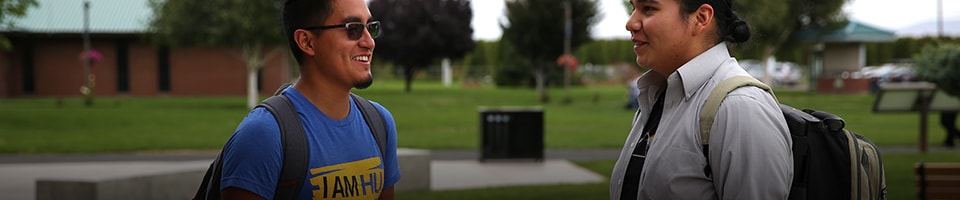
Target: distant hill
[[951, 27]]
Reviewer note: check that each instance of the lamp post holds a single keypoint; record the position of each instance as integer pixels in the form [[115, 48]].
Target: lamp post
[[87, 88], [939, 18], [567, 34]]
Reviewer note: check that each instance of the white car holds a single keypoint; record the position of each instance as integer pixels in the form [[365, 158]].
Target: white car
[[782, 73]]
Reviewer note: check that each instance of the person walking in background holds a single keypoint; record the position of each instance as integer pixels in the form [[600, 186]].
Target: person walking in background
[[749, 156], [632, 92], [948, 119], [332, 40]]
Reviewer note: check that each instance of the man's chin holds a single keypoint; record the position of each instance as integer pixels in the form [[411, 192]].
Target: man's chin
[[364, 84]]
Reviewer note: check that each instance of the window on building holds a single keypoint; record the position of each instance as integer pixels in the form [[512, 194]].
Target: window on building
[[163, 69], [29, 80], [123, 66]]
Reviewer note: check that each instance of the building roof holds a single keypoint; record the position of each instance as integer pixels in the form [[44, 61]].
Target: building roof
[[852, 32], [66, 16]]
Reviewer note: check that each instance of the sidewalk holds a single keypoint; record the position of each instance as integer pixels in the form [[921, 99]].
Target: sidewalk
[[451, 169]]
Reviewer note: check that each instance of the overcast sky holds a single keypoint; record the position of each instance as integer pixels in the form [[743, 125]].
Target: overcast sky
[[892, 15]]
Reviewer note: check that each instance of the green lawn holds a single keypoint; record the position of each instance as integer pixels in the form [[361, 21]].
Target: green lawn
[[430, 117]]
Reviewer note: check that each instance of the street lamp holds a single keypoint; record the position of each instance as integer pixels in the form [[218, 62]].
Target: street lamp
[[87, 88], [939, 18]]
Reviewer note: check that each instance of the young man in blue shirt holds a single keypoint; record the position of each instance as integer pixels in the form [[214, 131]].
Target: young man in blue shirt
[[333, 42]]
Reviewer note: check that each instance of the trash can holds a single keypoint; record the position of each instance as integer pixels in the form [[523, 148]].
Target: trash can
[[514, 133]]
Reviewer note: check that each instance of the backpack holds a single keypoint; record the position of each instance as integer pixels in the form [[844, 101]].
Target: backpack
[[829, 162], [295, 148]]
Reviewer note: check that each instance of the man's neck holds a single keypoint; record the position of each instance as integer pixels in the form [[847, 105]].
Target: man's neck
[[332, 100]]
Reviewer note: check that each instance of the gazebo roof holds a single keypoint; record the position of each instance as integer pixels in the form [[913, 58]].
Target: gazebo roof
[[852, 32]]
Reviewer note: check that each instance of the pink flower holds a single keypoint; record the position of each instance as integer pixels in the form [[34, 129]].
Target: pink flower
[[93, 55]]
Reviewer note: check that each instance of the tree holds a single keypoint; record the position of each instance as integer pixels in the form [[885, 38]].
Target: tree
[[775, 23], [420, 32], [253, 27], [535, 31], [940, 64], [12, 9]]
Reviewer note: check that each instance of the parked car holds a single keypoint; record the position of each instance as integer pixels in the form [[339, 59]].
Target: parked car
[[889, 72], [781, 73]]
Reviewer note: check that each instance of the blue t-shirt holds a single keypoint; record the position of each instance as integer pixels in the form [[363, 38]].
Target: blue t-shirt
[[345, 160]]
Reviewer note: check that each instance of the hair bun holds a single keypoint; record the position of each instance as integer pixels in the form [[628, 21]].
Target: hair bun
[[739, 31]]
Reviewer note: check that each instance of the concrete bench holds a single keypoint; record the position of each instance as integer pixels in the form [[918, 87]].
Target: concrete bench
[[938, 180], [415, 168], [151, 180], [147, 180]]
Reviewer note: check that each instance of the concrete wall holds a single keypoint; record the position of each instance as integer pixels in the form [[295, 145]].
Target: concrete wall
[[172, 185], [414, 168]]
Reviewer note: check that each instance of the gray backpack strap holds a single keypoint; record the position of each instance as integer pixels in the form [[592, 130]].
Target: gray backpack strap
[[294, 142], [281, 88], [378, 127], [709, 111]]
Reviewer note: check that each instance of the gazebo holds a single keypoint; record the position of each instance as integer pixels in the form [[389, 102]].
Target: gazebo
[[839, 53]]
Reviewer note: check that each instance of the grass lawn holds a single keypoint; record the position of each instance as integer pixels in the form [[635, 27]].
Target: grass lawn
[[430, 117]]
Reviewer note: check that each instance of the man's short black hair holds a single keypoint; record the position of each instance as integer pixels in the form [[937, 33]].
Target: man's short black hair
[[303, 13]]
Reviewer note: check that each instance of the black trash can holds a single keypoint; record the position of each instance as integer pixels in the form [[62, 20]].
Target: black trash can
[[511, 133]]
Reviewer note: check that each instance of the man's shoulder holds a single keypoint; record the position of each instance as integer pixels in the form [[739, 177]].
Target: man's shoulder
[[259, 120]]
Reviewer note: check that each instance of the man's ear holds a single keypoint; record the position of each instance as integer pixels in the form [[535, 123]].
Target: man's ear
[[304, 40], [703, 19]]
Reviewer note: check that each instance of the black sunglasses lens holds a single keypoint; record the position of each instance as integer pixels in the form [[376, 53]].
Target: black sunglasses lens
[[374, 28], [354, 31]]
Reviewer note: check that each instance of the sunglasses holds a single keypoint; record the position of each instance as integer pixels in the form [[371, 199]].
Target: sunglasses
[[354, 29]]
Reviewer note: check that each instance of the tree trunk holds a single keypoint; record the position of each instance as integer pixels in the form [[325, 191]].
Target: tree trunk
[[252, 93], [408, 72], [254, 61], [254, 57], [540, 77]]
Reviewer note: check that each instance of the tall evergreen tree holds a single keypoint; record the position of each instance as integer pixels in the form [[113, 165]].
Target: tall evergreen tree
[[535, 31], [417, 33]]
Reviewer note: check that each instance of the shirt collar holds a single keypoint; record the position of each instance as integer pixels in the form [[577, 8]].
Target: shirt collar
[[695, 73], [692, 75]]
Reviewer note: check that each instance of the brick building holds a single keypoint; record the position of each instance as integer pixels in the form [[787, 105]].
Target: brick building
[[46, 45]]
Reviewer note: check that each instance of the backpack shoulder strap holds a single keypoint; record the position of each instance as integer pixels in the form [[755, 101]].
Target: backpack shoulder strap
[[281, 88], [709, 111], [210, 185], [294, 143], [378, 126]]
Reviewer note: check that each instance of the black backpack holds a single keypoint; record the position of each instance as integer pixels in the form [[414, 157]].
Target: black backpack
[[829, 162], [295, 149]]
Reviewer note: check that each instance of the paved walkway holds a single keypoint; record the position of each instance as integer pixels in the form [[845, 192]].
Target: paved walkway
[[451, 169]]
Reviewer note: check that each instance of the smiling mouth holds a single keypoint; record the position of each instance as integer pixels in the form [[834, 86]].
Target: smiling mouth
[[362, 58]]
